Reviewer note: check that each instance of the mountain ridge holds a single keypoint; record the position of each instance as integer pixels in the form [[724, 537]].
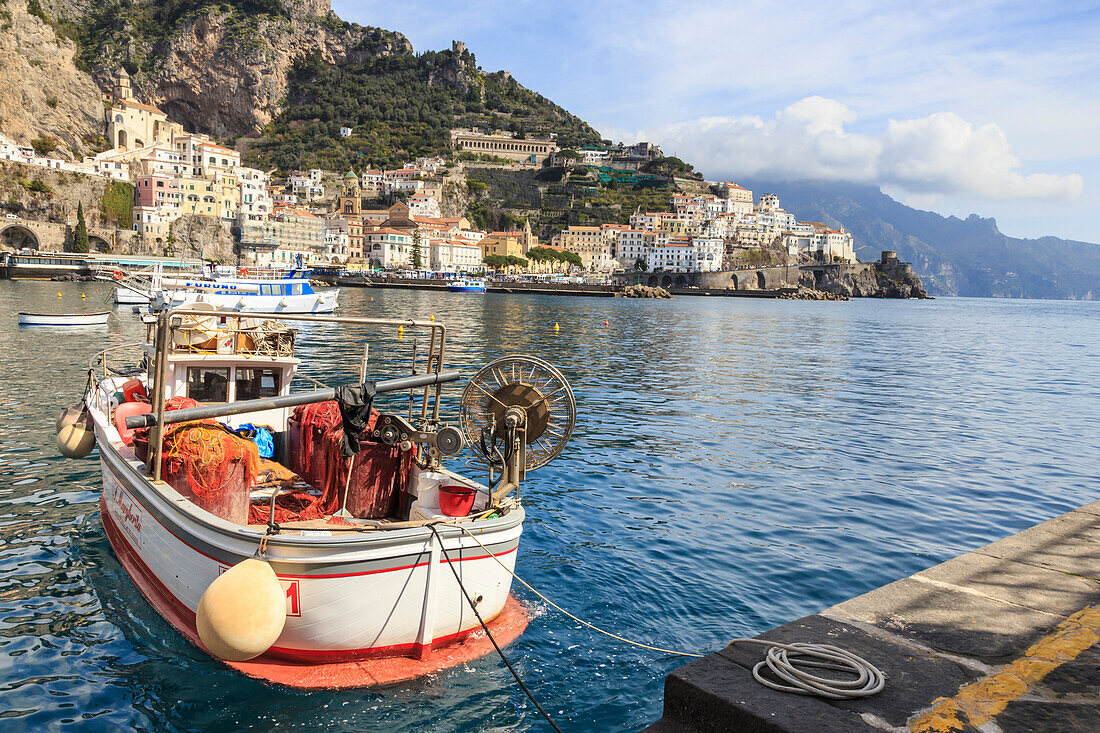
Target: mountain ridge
[[952, 256]]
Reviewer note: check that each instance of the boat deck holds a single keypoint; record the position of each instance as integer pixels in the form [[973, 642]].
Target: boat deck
[[1005, 638]]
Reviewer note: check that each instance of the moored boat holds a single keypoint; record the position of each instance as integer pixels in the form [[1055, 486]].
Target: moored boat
[[243, 293], [63, 319], [386, 561], [467, 285]]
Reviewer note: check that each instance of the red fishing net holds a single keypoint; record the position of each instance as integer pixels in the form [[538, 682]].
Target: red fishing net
[[378, 471]]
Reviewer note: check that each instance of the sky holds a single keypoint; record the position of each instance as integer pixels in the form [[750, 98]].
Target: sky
[[976, 107]]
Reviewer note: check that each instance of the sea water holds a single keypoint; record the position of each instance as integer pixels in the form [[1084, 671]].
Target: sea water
[[736, 464]]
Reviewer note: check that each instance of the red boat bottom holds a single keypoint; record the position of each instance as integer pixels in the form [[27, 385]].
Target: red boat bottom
[[509, 624]]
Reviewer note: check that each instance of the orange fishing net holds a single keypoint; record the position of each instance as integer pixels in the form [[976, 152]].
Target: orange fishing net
[[212, 466]]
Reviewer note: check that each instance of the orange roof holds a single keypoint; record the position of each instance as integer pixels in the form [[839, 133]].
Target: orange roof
[[219, 147], [139, 105]]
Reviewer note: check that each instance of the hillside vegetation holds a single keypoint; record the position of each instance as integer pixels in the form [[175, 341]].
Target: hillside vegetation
[[399, 107]]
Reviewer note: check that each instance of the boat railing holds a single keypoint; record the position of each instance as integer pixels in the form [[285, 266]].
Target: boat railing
[[170, 323]]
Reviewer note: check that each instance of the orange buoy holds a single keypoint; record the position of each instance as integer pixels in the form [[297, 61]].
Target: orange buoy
[[118, 274]]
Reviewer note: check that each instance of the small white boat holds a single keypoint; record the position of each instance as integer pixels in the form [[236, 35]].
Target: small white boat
[[63, 319], [390, 586], [467, 285]]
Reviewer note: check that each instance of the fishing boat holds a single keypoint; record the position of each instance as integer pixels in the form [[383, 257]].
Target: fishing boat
[[63, 319], [467, 285], [338, 550]]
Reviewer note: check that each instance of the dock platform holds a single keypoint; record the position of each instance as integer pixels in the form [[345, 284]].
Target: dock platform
[[1000, 640]]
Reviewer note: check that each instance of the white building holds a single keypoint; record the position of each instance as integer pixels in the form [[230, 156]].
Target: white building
[[256, 203], [675, 255], [345, 132], [455, 256], [421, 204], [390, 248], [708, 253]]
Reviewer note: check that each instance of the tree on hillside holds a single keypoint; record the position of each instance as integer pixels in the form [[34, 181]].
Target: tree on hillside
[[569, 155], [417, 258], [80, 236], [669, 167], [639, 265]]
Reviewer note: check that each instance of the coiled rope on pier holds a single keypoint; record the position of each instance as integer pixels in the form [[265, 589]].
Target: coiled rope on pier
[[787, 662]]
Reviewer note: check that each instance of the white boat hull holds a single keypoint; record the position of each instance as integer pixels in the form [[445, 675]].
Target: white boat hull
[[323, 302], [63, 319], [128, 296], [350, 596]]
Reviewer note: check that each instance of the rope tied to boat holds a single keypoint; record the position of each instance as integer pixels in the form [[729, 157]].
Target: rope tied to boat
[[787, 662], [488, 633]]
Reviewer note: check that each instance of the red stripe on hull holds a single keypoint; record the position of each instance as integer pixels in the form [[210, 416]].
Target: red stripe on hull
[[321, 669]]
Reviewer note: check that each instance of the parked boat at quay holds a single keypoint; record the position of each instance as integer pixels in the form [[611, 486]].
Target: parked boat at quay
[[235, 289], [313, 555], [467, 285]]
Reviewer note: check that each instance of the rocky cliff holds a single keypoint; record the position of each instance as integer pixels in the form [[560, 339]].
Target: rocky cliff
[[42, 93], [221, 68]]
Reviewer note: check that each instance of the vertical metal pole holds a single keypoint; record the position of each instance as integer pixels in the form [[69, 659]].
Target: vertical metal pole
[[413, 373], [438, 366], [363, 366], [427, 370], [159, 384]]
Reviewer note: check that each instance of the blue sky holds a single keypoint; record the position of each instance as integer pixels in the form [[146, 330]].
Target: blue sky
[[980, 107]]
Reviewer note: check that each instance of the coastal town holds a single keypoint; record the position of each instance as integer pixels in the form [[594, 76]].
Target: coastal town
[[371, 219]]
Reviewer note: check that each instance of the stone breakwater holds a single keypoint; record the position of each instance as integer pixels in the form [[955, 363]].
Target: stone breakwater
[[642, 291]]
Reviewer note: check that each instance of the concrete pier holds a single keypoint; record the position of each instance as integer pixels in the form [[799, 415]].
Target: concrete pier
[[999, 640]]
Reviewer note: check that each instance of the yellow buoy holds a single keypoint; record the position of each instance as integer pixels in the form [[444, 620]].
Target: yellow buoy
[[557, 327], [75, 435], [432, 317], [242, 613], [59, 295], [83, 296], [400, 332]]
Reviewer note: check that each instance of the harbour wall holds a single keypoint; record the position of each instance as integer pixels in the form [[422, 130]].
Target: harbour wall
[[1005, 638]]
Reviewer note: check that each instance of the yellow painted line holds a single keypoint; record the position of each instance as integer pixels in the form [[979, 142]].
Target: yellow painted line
[[978, 702]]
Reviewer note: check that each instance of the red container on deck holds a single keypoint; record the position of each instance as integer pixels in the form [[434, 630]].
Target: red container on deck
[[134, 391], [456, 500]]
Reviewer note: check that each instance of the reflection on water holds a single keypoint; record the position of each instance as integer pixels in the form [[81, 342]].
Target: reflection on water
[[736, 464]]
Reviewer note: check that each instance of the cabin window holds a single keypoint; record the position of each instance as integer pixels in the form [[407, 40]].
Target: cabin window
[[296, 289], [208, 385], [265, 290], [252, 384]]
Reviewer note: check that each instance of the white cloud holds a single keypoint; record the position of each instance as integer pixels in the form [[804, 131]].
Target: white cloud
[[935, 155]]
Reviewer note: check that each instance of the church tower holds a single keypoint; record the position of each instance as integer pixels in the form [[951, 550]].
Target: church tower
[[351, 196], [123, 90]]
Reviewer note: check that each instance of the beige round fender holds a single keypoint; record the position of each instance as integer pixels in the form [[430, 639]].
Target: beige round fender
[[242, 612], [75, 435]]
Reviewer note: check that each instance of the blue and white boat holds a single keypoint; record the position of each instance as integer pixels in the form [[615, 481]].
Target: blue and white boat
[[467, 285], [292, 293]]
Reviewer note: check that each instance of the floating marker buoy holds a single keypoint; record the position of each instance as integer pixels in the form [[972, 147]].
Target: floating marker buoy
[[242, 612], [557, 327], [83, 296], [59, 295], [75, 436], [372, 298], [605, 322], [432, 318]]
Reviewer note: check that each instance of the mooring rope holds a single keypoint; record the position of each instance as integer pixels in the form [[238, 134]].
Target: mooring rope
[[473, 607], [785, 661]]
